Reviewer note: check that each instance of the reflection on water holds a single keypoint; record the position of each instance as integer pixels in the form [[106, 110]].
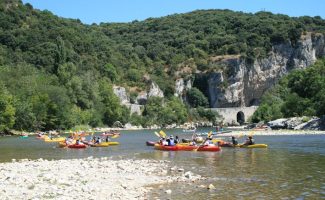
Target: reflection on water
[[291, 168]]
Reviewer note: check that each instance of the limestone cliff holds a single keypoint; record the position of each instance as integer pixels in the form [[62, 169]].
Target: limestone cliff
[[243, 84]]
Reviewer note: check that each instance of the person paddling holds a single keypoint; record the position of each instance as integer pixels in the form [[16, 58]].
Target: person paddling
[[234, 141], [249, 141]]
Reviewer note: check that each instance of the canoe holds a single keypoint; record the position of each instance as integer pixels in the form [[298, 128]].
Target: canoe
[[77, 146], [99, 145], [59, 139], [254, 146], [208, 148], [110, 143], [150, 143]]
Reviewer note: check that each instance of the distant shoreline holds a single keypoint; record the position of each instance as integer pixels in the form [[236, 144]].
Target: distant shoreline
[[272, 133]]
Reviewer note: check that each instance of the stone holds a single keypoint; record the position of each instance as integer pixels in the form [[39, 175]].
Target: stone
[[168, 191], [211, 187], [180, 170], [188, 175]]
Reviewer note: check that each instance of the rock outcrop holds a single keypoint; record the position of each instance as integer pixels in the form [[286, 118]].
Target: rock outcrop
[[120, 92], [141, 99], [298, 123], [181, 86], [243, 83]]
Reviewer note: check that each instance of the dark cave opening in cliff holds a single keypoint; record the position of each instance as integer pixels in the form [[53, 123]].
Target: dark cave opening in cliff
[[240, 117]]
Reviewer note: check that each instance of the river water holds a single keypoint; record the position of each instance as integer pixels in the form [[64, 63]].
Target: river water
[[293, 167]]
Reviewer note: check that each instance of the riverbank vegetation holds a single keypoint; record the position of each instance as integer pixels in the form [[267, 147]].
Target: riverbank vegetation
[[57, 73], [301, 93]]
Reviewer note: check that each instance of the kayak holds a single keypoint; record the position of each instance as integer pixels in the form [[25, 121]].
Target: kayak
[[244, 146], [150, 143], [166, 148], [77, 146], [189, 130], [110, 134], [62, 144], [254, 146], [24, 136], [99, 145], [186, 148], [59, 139], [208, 148], [110, 143]]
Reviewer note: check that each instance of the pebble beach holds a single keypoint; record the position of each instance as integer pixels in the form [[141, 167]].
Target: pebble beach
[[89, 178]]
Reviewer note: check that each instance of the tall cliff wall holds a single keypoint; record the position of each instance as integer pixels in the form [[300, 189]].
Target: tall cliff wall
[[244, 83]]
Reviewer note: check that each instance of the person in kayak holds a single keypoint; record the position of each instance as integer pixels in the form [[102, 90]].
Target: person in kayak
[[171, 141], [249, 141], [234, 141], [176, 140]]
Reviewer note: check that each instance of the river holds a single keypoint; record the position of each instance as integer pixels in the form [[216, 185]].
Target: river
[[293, 167]]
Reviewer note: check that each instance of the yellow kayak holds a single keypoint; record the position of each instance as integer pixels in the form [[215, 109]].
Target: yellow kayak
[[62, 144], [254, 146], [110, 143], [103, 144], [59, 139]]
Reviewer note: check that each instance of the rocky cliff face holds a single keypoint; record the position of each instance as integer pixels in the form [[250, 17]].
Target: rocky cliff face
[[121, 93], [244, 83]]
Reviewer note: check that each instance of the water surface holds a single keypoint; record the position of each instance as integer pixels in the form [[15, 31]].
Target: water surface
[[293, 167]]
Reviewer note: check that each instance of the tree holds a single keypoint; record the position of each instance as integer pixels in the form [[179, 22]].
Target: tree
[[112, 111], [196, 98], [7, 110]]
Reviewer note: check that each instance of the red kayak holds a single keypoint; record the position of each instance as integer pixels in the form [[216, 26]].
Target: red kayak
[[150, 143], [208, 148], [77, 146], [186, 148]]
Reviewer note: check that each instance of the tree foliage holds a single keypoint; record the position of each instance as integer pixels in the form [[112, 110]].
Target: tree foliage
[[57, 73], [300, 93]]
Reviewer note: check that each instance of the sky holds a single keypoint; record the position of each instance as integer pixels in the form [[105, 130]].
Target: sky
[[97, 11]]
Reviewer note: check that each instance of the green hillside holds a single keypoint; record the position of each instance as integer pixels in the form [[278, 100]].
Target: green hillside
[[57, 73]]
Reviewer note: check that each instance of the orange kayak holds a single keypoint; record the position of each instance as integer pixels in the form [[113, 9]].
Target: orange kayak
[[208, 148]]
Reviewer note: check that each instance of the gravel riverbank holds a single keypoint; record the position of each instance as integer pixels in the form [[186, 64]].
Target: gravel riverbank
[[273, 132], [90, 178]]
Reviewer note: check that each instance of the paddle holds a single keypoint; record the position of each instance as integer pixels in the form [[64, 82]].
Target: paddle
[[162, 133], [115, 136], [157, 134], [202, 144]]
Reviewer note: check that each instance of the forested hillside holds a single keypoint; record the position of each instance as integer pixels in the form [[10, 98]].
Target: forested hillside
[[57, 73]]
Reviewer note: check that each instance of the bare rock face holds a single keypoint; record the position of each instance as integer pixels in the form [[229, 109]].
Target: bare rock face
[[244, 83], [155, 91], [181, 86], [120, 92]]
